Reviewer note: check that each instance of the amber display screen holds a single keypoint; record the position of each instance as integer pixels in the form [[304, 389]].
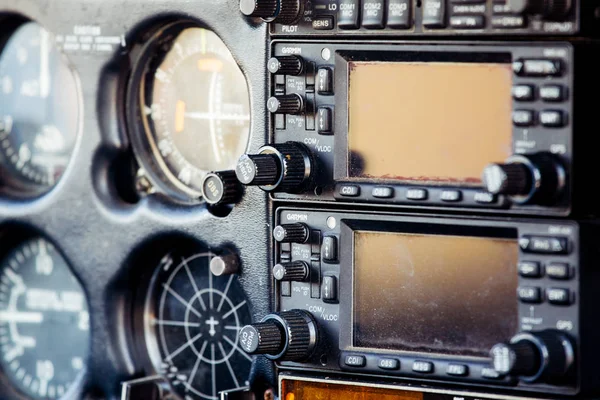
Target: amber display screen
[[433, 122], [304, 390], [434, 293]]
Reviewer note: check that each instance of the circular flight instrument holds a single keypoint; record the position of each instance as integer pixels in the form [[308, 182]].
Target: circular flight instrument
[[44, 321], [191, 323], [39, 111], [188, 109]]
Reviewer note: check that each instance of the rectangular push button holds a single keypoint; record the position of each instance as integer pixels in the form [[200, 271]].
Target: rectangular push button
[[457, 370], [382, 192], [348, 190], [424, 367], [467, 22], [528, 294], [399, 13], [434, 13], [544, 244], [348, 14], [329, 289], [325, 121], [329, 249], [559, 296], [322, 22], [388, 363], [530, 269], [355, 361], [324, 81], [373, 11]]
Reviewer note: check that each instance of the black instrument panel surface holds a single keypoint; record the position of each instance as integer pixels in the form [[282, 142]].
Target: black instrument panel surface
[[85, 215]]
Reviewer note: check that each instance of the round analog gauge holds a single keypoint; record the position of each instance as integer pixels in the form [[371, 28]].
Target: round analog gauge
[[191, 109], [192, 319], [39, 111], [44, 321]]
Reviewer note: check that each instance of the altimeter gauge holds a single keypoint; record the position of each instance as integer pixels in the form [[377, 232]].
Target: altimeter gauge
[[44, 322]]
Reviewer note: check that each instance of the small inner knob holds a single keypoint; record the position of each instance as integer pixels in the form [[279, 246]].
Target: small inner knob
[[262, 338], [291, 233], [295, 271], [286, 104], [521, 358], [509, 179], [258, 169]]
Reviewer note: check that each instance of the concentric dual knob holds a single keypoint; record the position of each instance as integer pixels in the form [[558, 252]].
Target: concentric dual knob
[[534, 179], [286, 336], [554, 9], [286, 167], [280, 11], [542, 356]]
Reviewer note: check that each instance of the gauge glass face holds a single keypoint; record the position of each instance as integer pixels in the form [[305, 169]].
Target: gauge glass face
[[196, 108], [192, 321], [44, 321], [39, 111]]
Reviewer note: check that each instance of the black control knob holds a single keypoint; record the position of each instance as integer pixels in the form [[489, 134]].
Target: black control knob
[[286, 65], [286, 104], [286, 336], [221, 187], [534, 179], [294, 271], [553, 9], [280, 11], [286, 167], [291, 233], [542, 356], [262, 338]]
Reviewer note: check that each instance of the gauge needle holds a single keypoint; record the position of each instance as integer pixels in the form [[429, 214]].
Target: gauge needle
[[179, 116], [21, 317], [44, 67]]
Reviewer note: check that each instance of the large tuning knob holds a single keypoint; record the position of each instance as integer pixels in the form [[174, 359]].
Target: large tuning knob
[[286, 167], [285, 65], [535, 179], [555, 9], [543, 356], [286, 336], [280, 11]]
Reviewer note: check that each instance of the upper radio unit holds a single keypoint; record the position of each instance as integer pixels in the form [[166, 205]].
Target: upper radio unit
[[421, 17], [447, 126]]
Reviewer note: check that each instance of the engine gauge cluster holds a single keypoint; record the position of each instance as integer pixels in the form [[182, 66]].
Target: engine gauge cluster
[[44, 322], [188, 109], [39, 112]]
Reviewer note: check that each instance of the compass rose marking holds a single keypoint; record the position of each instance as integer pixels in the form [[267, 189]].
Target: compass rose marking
[[225, 293], [234, 309], [183, 347], [237, 348], [214, 376], [193, 282], [232, 327], [210, 287], [182, 301], [237, 385], [177, 323], [195, 369]]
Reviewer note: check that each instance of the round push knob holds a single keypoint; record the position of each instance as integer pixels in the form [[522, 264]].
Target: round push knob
[[535, 179], [262, 338], [225, 264], [295, 271], [541, 356], [280, 11], [285, 65], [291, 233], [286, 104], [554, 9], [221, 187], [286, 336], [286, 167]]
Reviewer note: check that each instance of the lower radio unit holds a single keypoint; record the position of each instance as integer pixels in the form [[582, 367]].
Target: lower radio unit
[[487, 127], [481, 302]]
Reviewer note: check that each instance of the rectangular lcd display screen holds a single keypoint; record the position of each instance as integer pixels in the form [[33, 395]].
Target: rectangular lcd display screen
[[433, 122], [434, 293]]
